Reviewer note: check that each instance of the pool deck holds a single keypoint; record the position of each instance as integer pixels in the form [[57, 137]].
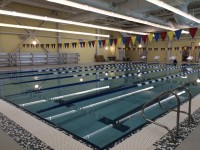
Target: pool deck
[[56, 139], [7, 143], [191, 142], [52, 138]]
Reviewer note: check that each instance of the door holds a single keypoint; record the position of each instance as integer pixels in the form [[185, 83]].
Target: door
[[185, 53], [121, 54]]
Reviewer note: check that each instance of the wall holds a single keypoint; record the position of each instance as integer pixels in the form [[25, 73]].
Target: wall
[[11, 39], [184, 41]]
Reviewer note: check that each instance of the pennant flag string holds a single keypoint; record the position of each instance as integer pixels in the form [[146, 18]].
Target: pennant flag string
[[116, 41]]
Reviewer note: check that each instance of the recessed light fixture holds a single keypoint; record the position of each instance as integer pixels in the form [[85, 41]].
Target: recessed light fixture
[[198, 80], [140, 46], [107, 13], [51, 30], [106, 48]]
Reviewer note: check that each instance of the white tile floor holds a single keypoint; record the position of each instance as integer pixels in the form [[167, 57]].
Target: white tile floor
[[49, 135]]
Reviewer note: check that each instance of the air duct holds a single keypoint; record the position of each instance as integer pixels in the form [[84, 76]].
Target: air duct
[[181, 20]]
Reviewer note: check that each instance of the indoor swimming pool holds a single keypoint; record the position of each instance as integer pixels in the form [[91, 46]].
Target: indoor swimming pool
[[99, 105]]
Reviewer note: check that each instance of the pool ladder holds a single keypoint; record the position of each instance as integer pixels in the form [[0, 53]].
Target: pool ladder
[[158, 99]]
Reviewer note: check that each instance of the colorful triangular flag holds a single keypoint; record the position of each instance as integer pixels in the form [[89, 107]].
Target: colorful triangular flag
[[150, 37], [124, 40], [170, 35], [163, 35], [144, 38], [178, 34], [133, 38], [111, 42], [119, 41], [115, 41], [128, 40], [139, 38], [157, 36], [193, 31]]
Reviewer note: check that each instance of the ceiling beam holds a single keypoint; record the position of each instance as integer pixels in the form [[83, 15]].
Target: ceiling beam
[[5, 3]]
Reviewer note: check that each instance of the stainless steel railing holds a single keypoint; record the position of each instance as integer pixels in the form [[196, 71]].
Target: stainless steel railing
[[158, 100]]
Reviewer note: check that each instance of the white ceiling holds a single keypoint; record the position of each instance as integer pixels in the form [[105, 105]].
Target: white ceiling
[[135, 8]]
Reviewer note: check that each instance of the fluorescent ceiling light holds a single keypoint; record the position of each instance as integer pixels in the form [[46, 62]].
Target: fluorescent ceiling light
[[50, 30], [108, 13], [173, 9], [45, 18], [185, 32]]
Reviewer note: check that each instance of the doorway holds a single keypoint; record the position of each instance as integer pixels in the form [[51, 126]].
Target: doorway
[[122, 54], [185, 53]]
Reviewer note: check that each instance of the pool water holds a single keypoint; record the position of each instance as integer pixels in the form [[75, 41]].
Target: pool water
[[99, 105]]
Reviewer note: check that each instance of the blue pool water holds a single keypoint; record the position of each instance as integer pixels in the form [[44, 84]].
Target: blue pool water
[[101, 104]]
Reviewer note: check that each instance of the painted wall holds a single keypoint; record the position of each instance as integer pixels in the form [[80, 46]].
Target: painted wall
[[185, 41], [11, 39]]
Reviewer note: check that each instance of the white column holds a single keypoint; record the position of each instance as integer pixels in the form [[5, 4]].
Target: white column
[[169, 52], [59, 36], [97, 47]]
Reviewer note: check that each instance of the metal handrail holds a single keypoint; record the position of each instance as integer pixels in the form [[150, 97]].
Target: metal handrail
[[158, 98], [158, 124], [190, 117]]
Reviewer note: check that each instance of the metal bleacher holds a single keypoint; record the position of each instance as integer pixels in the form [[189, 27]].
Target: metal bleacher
[[17, 59]]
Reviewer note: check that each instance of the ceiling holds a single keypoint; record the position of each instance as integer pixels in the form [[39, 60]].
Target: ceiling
[[140, 9]]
